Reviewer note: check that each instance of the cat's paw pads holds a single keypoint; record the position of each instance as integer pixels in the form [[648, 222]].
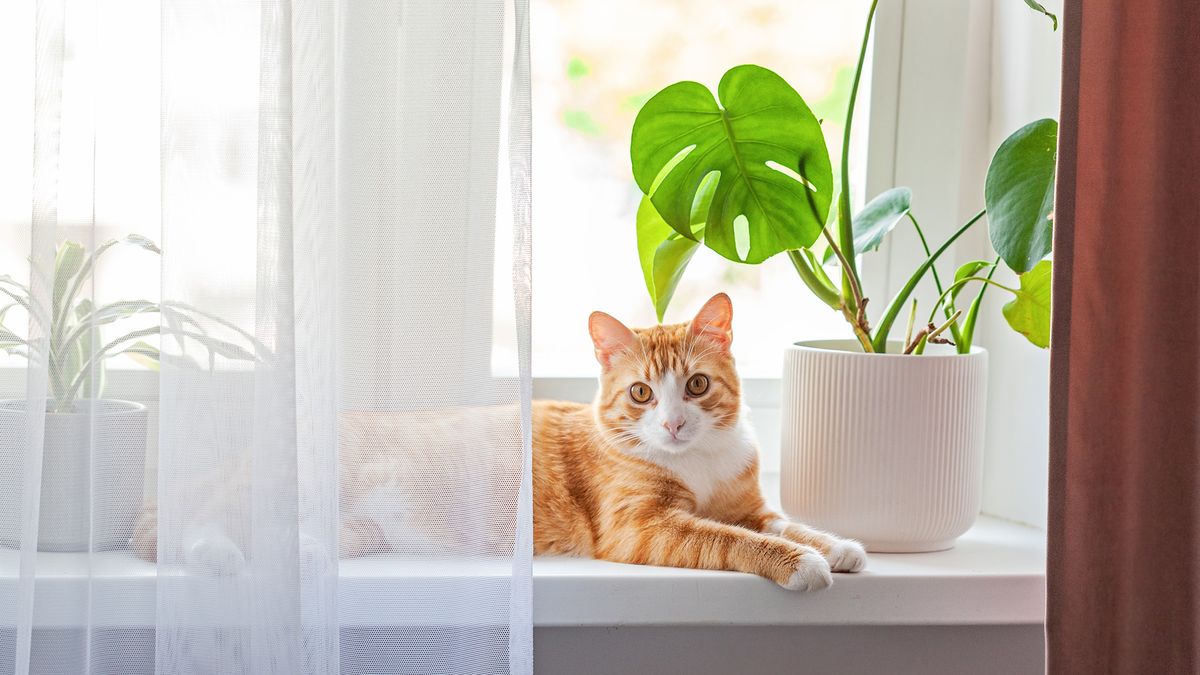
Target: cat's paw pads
[[847, 555], [214, 556], [811, 573]]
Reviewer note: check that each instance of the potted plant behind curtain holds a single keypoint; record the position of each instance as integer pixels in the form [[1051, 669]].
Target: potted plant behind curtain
[[90, 443], [883, 433]]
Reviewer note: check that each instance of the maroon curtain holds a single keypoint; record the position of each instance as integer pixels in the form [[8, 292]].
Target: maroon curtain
[[1124, 530]]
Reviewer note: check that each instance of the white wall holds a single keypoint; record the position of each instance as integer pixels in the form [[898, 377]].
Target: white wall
[[967, 75], [1024, 87]]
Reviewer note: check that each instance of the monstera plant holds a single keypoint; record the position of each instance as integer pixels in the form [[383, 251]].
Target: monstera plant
[[895, 444], [747, 173]]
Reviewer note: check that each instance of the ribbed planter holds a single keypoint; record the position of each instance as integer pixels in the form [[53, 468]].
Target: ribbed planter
[[884, 448], [91, 478]]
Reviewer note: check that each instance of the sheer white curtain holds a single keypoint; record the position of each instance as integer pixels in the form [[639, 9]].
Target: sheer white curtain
[[311, 335]]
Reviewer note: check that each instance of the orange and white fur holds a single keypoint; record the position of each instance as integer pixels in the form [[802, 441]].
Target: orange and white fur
[[662, 469]]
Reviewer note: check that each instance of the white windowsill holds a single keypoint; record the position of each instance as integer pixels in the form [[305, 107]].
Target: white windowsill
[[994, 576]]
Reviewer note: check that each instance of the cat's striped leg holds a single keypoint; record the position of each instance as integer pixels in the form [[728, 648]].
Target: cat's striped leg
[[679, 539], [360, 536], [144, 541], [844, 555]]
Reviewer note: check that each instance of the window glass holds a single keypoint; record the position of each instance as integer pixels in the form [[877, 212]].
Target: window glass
[[594, 64]]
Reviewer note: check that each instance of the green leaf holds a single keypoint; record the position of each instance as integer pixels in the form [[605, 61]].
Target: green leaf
[[143, 353], [68, 260], [220, 347], [1037, 7], [9, 338], [816, 267], [1029, 312], [1019, 194], [183, 312], [663, 253], [879, 216], [73, 357], [775, 181], [70, 354], [119, 310], [149, 356], [88, 266], [7, 279], [90, 318], [142, 242], [967, 270]]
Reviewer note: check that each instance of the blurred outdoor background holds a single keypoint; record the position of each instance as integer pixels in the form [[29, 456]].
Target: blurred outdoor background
[[594, 65]]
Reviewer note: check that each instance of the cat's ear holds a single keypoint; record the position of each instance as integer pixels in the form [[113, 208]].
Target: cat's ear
[[610, 337], [714, 321]]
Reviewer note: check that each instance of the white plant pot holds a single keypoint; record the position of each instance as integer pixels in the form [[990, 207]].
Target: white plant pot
[[92, 475], [884, 448]]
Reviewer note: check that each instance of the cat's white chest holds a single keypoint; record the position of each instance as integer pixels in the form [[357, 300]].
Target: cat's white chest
[[714, 460]]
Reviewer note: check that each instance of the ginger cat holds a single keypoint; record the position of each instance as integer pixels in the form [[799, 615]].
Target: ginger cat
[[662, 469]]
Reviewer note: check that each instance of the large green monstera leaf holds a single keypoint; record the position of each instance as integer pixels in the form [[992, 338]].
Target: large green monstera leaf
[[1019, 194], [774, 178], [1029, 311]]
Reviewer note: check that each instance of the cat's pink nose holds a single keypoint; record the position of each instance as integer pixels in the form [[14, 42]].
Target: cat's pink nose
[[673, 425]]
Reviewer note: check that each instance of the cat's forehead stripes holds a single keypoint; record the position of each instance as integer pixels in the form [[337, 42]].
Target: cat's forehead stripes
[[668, 349]]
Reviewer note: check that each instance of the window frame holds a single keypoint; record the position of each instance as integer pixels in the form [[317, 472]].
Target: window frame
[[931, 79]]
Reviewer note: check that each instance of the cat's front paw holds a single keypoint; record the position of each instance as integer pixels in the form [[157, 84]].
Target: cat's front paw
[[214, 555], [811, 573], [315, 560], [847, 555]]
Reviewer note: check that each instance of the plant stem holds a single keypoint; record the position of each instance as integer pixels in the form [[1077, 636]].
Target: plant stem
[[925, 246], [911, 346], [100, 355], [829, 295], [853, 308], [912, 317], [893, 310], [845, 224], [921, 346], [863, 335], [826, 293], [968, 327], [949, 322], [937, 280], [962, 282], [928, 334], [856, 296]]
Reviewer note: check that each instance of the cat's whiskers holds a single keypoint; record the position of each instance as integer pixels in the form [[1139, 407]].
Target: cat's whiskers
[[615, 434]]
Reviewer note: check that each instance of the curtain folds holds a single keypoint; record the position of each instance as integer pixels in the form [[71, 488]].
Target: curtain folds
[[1124, 527], [266, 316]]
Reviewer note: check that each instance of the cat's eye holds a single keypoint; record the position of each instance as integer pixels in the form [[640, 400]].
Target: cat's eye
[[640, 392], [697, 385]]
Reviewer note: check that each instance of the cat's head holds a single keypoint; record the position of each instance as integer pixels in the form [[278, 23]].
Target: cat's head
[[666, 387]]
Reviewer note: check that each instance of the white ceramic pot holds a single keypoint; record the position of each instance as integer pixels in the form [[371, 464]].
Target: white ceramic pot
[[883, 448], [92, 475]]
